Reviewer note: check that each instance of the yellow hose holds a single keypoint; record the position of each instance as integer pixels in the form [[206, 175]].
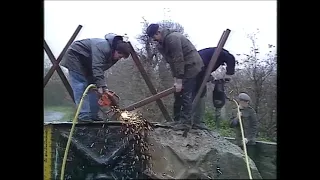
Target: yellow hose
[[244, 143], [74, 122]]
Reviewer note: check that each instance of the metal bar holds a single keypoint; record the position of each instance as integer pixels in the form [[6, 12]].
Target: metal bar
[[212, 63], [149, 83], [150, 99], [57, 61], [220, 40], [59, 70]]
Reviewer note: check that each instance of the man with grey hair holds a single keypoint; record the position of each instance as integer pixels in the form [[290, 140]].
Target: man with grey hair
[[249, 123], [185, 63]]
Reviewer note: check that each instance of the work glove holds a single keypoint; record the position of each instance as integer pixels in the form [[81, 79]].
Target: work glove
[[102, 90], [227, 78], [178, 84]]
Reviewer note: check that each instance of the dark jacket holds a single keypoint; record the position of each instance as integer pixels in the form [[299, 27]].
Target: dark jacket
[[180, 53], [249, 122], [224, 57], [91, 57]]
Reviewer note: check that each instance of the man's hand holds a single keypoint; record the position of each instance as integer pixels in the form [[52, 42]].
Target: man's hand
[[101, 90], [178, 84], [227, 78], [211, 78], [239, 114], [246, 140]]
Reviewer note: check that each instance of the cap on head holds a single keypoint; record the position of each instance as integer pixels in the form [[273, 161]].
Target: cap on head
[[152, 29], [244, 97]]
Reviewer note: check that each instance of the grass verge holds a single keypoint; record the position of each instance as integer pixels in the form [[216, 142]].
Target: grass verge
[[224, 129]]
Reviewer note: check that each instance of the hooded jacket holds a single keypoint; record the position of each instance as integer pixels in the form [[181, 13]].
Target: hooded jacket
[[180, 53], [91, 57], [224, 57]]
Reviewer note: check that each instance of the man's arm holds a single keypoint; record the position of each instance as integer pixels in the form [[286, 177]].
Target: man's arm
[[253, 125], [231, 62], [234, 119], [174, 44], [97, 63], [161, 51]]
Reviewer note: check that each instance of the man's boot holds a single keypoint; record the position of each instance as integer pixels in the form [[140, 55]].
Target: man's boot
[[85, 120], [201, 126], [172, 123], [84, 117], [182, 127], [96, 117]]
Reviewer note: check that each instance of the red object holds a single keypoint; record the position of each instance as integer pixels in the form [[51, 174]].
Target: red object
[[109, 99]]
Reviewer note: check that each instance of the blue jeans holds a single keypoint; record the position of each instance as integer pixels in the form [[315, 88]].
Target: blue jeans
[[90, 106]]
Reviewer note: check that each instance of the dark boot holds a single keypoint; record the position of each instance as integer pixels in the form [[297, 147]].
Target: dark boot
[[172, 123], [201, 126], [97, 118], [182, 127], [85, 120]]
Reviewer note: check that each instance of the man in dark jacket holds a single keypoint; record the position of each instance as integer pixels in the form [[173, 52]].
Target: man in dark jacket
[[185, 63], [86, 61], [224, 58]]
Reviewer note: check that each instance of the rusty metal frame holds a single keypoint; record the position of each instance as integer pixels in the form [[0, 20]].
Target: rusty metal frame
[[55, 63], [146, 78]]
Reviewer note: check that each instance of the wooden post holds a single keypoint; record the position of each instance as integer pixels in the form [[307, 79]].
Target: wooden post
[[55, 63], [149, 83]]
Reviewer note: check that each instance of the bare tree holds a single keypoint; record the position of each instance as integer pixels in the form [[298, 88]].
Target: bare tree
[[256, 75]]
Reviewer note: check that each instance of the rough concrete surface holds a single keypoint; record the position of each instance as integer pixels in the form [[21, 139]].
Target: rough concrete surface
[[200, 155], [265, 159]]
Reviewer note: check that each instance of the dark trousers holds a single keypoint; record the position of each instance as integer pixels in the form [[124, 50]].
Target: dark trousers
[[182, 107], [200, 107], [199, 80]]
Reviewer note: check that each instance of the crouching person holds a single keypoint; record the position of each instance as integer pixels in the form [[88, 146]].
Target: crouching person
[[249, 123], [185, 63], [86, 61]]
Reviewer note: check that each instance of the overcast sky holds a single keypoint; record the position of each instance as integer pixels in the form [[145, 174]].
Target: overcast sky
[[204, 21]]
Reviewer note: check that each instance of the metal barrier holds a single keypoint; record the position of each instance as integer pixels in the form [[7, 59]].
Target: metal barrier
[[98, 151]]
